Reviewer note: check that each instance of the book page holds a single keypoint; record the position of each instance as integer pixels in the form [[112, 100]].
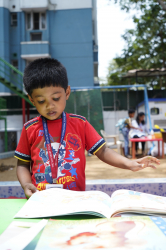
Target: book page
[[138, 233], [24, 237], [15, 228], [56, 202], [132, 201]]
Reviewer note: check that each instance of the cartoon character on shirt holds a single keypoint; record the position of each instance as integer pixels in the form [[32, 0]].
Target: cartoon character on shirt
[[62, 163]]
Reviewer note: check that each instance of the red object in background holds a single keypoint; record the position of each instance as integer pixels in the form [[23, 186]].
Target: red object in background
[[148, 138]]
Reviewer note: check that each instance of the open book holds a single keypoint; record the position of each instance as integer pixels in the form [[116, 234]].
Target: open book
[[136, 232], [57, 202], [120, 233]]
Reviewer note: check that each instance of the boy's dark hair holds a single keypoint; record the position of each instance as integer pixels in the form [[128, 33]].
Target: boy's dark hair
[[44, 72], [131, 111], [139, 115]]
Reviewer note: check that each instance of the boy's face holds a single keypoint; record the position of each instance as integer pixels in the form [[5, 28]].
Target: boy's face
[[131, 115], [50, 102]]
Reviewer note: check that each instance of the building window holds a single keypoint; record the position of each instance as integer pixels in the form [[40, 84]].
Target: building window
[[15, 64], [96, 79], [43, 20], [13, 19], [36, 21], [28, 21], [154, 111], [95, 66], [36, 36]]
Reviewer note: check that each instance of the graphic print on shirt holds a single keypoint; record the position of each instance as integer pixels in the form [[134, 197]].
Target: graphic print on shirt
[[73, 142], [66, 171], [39, 176]]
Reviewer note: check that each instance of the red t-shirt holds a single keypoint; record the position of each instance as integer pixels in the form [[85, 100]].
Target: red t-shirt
[[80, 135]]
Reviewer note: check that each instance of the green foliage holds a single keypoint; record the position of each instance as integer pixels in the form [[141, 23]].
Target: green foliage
[[145, 45]]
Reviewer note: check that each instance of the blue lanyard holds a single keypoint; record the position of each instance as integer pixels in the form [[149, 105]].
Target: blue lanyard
[[53, 162]]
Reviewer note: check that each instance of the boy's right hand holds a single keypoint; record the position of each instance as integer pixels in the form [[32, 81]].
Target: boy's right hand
[[29, 189]]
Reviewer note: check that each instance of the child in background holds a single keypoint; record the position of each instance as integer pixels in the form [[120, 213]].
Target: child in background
[[127, 125], [135, 133], [52, 146]]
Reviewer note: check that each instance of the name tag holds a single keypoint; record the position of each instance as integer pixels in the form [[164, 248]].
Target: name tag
[[54, 186]]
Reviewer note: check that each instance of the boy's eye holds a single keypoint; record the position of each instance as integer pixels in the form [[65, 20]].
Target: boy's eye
[[56, 99], [40, 102]]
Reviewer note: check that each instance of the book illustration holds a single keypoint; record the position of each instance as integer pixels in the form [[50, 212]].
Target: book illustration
[[115, 233], [57, 202], [160, 222]]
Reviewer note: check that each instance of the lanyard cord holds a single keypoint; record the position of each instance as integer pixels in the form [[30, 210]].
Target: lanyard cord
[[53, 162]]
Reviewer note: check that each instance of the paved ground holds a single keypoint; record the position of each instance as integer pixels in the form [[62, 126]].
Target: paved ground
[[95, 169]]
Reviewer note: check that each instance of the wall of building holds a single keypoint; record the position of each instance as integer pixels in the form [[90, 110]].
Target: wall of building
[[19, 5], [71, 43], [70, 35], [4, 40]]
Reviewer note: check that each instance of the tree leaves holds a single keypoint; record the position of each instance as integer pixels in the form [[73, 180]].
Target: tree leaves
[[145, 46]]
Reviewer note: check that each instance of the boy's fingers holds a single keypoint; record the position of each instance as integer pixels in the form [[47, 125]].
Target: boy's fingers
[[33, 189], [29, 190], [149, 159], [141, 166], [152, 166], [144, 166], [154, 159], [28, 193]]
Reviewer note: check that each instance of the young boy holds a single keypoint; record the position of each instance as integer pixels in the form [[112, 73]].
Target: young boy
[[52, 146], [125, 131]]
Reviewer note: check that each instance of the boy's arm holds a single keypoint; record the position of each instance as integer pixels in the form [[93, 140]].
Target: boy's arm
[[24, 177], [112, 158]]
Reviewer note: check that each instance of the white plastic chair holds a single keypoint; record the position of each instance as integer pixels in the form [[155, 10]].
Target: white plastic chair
[[116, 140]]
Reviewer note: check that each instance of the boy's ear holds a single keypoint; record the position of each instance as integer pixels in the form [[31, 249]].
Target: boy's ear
[[31, 100], [68, 90]]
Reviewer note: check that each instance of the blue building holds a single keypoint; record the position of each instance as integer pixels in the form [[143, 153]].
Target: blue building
[[61, 29]]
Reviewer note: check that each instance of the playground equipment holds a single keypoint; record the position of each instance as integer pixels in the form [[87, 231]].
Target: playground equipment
[[12, 79], [157, 126], [3, 106]]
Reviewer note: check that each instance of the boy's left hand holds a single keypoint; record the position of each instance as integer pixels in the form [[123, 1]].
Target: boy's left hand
[[144, 162]]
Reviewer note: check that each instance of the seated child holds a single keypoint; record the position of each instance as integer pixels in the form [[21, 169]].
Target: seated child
[[52, 146], [126, 126], [135, 133]]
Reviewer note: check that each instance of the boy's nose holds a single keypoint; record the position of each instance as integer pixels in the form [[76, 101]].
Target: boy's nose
[[50, 104]]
